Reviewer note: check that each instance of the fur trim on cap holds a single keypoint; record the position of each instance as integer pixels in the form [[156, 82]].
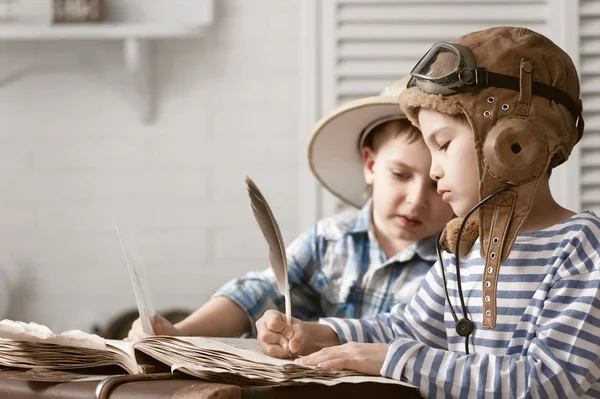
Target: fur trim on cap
[[468, 238], [411, 100]]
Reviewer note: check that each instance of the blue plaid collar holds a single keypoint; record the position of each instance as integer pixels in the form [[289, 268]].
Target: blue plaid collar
[[363, 221], [426, 248]]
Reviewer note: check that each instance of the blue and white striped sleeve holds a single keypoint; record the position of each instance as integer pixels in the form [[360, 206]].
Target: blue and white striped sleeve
[[561, 361], [421, 319]]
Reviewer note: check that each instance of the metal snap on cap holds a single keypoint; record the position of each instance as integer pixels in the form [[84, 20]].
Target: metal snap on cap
[[526, 66]]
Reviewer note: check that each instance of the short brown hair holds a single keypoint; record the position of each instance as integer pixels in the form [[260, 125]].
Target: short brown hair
[[398, 126]]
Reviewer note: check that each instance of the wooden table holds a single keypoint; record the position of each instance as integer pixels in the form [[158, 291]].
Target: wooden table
[[182, 387]]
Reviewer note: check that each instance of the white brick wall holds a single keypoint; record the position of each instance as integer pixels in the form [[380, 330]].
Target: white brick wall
[[73, 153]]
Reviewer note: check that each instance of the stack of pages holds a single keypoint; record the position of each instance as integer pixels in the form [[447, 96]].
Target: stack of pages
[[230, 360]]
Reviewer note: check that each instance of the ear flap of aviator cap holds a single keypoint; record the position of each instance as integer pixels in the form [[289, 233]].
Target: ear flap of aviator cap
[[515, 151]]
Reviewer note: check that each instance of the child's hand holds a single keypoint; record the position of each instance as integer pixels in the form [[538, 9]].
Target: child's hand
[[276, 338], [365, 358], [161, 326]]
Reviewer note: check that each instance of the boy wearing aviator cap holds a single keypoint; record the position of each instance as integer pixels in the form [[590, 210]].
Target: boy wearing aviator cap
[[513, 307]]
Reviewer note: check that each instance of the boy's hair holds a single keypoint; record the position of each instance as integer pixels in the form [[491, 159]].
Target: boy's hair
[[378, 135], [386, 131]]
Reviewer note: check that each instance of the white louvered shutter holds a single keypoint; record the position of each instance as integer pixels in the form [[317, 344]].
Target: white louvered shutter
[[366, 45], [589, 36]]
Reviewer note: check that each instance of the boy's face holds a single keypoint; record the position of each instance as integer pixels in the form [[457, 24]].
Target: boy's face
[[406, 205], [453, 159]]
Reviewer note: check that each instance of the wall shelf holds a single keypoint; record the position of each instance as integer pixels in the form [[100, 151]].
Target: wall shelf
[[137, 37], [104, 31]]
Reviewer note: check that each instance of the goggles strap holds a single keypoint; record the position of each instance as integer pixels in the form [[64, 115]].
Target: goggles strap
[[537, 89], [524, 88]]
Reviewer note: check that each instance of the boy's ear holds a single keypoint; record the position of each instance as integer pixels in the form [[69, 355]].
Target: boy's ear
[[368, 157]]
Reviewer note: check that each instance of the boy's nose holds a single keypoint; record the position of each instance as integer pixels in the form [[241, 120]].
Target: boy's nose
[[435, 172], [417, 196]]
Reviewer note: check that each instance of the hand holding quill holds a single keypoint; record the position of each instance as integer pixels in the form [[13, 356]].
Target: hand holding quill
[[270, 229]]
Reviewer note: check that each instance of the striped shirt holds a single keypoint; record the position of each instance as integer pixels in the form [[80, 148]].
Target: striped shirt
[[546, 342], [337, 269]]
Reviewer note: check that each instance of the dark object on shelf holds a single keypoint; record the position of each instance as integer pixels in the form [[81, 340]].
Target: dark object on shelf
[[71, 11]]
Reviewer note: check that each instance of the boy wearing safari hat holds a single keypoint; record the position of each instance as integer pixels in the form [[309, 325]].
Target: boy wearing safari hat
[[512, 309], [358, 263]]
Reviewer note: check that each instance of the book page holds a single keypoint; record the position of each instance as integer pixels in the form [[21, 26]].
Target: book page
[[139, 281], [207, 372], [126, 348], [33, 332], [35, 346], [242, 360], [247, 348]]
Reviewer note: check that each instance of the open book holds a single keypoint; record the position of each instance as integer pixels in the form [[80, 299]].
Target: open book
[[231, 360]]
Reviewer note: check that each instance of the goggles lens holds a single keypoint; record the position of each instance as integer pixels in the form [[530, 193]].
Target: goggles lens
[[440, 65]]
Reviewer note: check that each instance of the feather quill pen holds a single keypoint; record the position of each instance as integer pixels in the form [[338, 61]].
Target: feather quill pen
[[270, 229]]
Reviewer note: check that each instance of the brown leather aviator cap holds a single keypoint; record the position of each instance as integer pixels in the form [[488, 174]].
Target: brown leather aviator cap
[[518, 133]]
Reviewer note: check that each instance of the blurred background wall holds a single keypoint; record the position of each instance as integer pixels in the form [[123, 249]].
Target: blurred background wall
[[74, 152]]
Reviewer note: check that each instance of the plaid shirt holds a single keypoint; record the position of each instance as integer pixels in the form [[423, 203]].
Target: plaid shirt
[[337, 269]]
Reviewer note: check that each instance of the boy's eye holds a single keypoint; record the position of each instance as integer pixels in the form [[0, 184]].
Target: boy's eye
[[399, 175], [444, 146]]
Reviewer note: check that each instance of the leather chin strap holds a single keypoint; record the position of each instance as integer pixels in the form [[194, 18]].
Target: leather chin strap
[[500, 222], [503, 209]]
